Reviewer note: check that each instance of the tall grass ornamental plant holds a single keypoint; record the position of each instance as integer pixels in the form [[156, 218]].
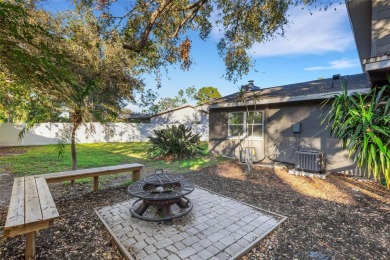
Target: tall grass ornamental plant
[[362, 123]]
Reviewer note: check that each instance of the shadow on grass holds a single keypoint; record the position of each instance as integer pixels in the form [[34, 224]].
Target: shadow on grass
[[44, 159]]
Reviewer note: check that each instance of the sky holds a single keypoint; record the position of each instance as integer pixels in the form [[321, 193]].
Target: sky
[[316, 44]]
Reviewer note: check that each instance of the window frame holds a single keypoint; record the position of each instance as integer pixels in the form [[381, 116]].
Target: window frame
[[243, 124], [246, 126]]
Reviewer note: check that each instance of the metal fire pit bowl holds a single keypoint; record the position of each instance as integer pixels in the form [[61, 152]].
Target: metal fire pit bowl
[[161, 191]]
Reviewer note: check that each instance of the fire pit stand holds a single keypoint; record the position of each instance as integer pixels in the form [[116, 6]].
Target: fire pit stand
[[161, 190]]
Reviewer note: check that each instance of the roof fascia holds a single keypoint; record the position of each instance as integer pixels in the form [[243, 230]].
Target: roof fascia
[[289, 99]]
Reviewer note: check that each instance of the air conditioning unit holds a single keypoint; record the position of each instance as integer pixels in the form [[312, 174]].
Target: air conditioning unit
[[248, 154], [310, 161]]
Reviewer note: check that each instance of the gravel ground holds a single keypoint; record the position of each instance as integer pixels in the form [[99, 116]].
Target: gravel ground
[[336, 218]]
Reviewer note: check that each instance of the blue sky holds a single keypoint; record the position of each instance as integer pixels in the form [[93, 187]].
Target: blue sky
[[315, 45]]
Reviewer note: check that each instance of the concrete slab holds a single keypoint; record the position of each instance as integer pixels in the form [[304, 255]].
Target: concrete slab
[[218, 227]]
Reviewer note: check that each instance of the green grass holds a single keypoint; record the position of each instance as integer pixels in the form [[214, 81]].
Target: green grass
[[44, 159]]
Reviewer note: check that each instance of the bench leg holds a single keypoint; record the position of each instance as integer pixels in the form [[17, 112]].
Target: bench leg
[[95, 183], [30, 244], [136, 175]]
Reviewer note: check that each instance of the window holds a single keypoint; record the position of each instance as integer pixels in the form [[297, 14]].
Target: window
[[246, 124], [236, 124]]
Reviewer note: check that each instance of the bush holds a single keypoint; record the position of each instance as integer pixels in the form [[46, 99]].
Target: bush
[[174, 142], [362, 123]]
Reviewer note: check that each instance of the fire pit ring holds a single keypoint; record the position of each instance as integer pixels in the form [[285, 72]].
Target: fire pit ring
[[161, 190]]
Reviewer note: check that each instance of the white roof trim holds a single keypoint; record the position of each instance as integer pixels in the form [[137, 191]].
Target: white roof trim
[[289, 99], [377, 65]]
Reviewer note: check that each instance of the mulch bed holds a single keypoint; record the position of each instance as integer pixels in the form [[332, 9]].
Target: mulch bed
[[340, 217]]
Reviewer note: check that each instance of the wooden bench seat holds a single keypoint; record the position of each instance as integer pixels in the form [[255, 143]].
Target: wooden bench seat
[[93, 172], [32, 208]]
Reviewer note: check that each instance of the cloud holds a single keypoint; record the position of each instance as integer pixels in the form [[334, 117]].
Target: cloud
[[337, 64], [323, 31]]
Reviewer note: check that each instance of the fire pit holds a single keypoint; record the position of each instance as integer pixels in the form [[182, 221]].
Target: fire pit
[[161, 191]]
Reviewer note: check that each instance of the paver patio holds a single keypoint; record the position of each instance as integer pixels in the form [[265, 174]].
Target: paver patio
[[217, 228]]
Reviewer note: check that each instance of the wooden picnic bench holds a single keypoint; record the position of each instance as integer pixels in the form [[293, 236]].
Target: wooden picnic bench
[[32, 207], [94, 172]]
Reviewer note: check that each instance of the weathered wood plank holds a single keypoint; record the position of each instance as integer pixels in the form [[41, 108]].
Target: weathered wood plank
[[33, 210], [15, 214], [48, 207], [27, 228], [136, 176], [30, 245], [91, 172], [96, 183]]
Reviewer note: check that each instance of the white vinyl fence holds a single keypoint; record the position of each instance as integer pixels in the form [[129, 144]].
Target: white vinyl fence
[[51, 133]]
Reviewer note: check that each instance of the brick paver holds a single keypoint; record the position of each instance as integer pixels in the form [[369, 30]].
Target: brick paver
[[216, 228]]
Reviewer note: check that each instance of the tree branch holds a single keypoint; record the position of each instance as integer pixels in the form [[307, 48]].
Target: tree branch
[[191, 6], [191, 15], [160, 10]]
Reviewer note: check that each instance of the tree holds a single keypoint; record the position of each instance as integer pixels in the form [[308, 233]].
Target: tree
[[79, 62], [191, 93], [165, 104], [106, 78], [180, 99], [159, 30], [28, 54], [102, 77], [207, 94], [245, 95], [12, 101], [147, 101], [362, 123]]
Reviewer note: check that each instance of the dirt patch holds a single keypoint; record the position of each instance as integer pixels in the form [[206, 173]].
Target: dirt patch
[[6, 182], [78, 233], [340, 217], [7, 151]]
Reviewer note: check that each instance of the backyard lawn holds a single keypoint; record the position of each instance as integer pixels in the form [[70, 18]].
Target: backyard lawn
[[336, 218], [34, 160]]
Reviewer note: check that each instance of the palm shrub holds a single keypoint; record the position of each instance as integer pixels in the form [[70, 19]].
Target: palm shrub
[[174, 142], [362, 123]]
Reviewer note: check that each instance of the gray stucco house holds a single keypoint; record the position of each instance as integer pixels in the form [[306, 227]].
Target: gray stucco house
[[281, 121]]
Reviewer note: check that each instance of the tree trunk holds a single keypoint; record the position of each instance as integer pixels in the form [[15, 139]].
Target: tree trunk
[[73, 146]]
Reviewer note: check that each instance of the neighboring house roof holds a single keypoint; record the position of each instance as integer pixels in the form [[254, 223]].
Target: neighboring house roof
[[311, 90], [199, 108]]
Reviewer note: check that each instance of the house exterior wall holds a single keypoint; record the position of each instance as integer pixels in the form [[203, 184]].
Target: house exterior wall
[[380, 27], [370, 20], [220, 143], [279, 142], [187, 115], [282, 143]]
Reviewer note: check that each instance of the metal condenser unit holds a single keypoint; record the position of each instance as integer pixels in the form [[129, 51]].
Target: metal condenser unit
[[310, 161]]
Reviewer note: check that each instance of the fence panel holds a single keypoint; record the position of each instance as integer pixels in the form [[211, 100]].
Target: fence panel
[[51, 133]]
